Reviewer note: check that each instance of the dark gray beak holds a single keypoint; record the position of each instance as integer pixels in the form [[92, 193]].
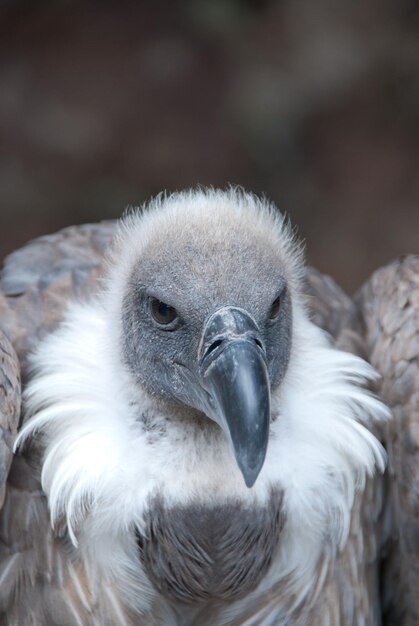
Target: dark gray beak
[[233, 372]]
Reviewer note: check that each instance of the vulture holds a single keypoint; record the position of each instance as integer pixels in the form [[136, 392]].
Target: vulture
[[198, 430]]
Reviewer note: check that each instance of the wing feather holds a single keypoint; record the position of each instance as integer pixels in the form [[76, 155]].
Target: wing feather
[[390, 307], [42, 581], [10, 401]]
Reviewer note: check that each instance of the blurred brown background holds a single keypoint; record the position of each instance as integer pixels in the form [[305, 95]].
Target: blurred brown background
[[314, 102]]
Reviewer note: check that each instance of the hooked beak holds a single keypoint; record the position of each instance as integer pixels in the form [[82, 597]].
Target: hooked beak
[[234, 373]]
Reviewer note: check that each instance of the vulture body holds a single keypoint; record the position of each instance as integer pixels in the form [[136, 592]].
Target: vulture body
[[194, 450]]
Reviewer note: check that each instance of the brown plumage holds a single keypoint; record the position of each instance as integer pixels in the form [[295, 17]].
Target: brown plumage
[[41, 579], [389, 303]]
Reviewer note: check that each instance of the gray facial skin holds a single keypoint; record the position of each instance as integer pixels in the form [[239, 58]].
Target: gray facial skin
[[229, 344]]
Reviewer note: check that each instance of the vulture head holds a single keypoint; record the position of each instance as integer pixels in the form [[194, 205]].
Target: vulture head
[[204, 315], [201, 440]]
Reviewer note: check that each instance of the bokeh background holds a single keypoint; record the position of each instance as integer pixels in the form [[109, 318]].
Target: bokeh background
[[313, 102]]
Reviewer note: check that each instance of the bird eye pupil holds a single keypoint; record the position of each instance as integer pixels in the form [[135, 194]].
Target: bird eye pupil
[[163, 313], [275, 308]]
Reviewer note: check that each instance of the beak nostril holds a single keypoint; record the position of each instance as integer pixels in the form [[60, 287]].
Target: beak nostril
[[218, 342], [214, 346], [259, 344]]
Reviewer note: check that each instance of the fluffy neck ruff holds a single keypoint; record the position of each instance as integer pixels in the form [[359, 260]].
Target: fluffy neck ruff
[[108, 450]]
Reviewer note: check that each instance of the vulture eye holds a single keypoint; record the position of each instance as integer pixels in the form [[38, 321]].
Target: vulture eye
[[275, 308], [162, 312]]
